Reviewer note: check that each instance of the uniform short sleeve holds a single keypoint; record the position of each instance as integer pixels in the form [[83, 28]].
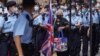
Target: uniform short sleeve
[[38, 20], [19, 26]]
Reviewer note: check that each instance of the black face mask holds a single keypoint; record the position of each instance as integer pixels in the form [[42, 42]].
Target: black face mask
[[59, 16]]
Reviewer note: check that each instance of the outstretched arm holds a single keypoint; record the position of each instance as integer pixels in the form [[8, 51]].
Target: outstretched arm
[[17, 40]]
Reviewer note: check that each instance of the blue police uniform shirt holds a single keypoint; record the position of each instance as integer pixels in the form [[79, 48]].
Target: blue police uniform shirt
[[85, 20], [8, 25], [75, 19], [23, 29], [45, 21], [65, 13], [95, 19], [1, 21], [98, 14], [38, 20]]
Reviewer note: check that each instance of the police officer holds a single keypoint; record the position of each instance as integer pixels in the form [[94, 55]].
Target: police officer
[[7, 25], [84, 30], [3, 45], [95, 33], [61, 24], [23, 33], [65, 11], [74, 38], [36, 24], [98, 12], [39, 24], [45, 15]]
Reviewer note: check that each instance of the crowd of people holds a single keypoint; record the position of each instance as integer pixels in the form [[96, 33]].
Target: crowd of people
[[23, 31]]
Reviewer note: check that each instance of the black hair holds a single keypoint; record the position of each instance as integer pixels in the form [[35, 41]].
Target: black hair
[[72, 7], [10, 4], [28, 3]]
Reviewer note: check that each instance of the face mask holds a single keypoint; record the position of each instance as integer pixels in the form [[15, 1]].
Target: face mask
[[93, 9], [83, 10], [62, 7], [36, 8], [59, 16], [65, 7], [73, 11], [54, 9]]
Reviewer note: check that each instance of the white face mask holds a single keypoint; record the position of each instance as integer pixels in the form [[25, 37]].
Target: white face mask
[[73, 11], [65, 7], [61, 7], [36, 8], [54, 9], [93, 9]]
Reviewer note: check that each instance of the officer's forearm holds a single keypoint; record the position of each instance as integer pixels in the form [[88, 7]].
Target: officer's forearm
[[88, 32], [17, 40]]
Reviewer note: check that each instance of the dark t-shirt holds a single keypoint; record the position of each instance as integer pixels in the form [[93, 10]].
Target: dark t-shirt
[[59, 23]]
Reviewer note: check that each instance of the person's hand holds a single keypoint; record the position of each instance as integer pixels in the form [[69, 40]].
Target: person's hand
[[60, 28], [88, 32], [21, 55]]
